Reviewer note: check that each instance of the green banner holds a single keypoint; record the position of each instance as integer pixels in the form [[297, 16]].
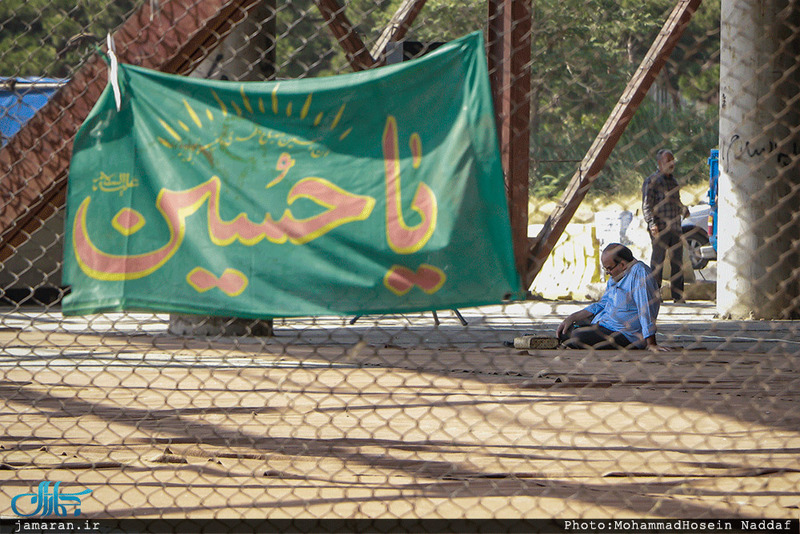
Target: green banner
[[374, 192]]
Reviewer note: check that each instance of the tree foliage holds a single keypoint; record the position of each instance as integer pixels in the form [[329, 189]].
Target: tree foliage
[[581, 69], [52, 37], [584, 52]]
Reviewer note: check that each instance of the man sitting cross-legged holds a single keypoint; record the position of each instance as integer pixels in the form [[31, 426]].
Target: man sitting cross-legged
[[625, 316]]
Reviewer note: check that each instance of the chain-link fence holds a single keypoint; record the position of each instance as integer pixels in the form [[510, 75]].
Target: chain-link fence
[[463, 412]]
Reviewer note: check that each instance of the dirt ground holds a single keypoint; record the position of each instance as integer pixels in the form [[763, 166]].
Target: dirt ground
[[398, 417]]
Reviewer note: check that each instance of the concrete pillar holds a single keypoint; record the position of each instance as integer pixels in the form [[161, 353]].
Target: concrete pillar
[[759, 184]]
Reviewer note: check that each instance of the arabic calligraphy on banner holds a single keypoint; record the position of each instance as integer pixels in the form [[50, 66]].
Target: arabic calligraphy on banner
[[372, 192]]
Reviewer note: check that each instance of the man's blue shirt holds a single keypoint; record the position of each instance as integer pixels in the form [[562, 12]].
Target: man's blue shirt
[[631, 305]]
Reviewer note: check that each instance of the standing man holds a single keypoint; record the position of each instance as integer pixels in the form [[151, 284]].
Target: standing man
[[625, 316], [662, 209]]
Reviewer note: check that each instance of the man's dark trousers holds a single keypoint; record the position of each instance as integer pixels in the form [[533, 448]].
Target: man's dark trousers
[[583, 336], [668, 239]]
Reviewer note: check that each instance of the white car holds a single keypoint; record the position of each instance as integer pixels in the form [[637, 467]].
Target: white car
[[695, 234]]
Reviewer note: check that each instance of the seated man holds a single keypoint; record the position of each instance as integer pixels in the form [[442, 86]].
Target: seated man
[[625, 316]]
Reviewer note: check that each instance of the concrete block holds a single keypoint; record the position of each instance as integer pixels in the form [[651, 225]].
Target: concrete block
[[203, 325]]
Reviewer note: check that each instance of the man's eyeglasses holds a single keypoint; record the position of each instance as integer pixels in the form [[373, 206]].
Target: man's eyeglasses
[[608, 270]]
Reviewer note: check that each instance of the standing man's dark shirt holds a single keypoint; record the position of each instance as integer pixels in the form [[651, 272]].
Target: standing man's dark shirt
[[661, 201]]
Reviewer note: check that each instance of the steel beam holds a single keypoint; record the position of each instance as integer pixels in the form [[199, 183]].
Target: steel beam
[[354, 48], [595, 159], [509, 56], [397, 28]]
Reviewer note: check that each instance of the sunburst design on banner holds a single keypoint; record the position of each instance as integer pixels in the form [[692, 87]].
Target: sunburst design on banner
[[243, 107]]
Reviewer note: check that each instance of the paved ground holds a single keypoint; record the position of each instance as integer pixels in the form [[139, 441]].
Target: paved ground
[[397, 417]]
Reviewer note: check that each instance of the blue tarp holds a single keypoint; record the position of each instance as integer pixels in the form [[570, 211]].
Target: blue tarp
[[20, 98]]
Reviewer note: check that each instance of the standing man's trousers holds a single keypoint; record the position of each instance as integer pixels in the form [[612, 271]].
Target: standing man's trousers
[[669, 242]]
